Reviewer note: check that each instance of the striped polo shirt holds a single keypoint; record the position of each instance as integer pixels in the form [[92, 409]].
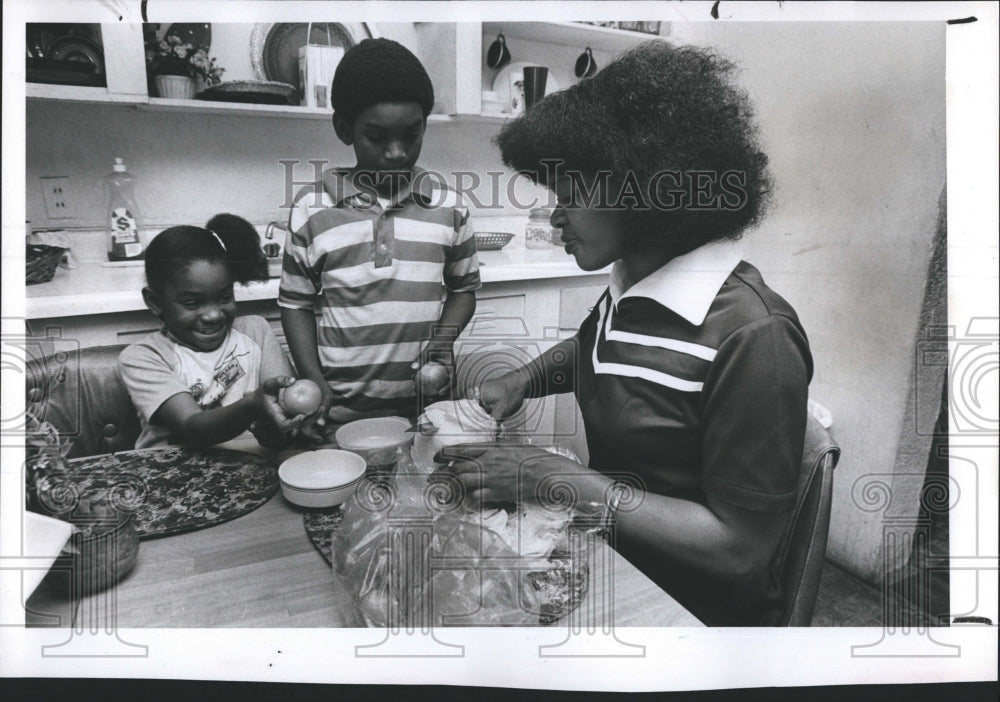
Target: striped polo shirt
[[694, 381], [380, 276]]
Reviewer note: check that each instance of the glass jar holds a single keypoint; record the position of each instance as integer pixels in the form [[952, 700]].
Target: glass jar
[[538, 234]]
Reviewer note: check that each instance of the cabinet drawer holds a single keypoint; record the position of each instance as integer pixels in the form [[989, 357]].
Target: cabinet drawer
[[575, 304]]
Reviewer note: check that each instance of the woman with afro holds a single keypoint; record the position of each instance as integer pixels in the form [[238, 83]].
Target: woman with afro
[[690, 373]]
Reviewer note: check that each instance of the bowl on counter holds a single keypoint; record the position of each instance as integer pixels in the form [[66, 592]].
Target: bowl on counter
[[492, 241], [376, 440], [322, 478]]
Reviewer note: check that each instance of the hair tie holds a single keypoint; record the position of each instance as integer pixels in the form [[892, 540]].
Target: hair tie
[[219, 239]]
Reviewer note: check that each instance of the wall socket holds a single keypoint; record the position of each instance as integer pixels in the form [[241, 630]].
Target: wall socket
[[55, 191]]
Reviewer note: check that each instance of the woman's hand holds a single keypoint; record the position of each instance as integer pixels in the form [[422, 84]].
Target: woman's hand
[[508, 472], [501, 397]]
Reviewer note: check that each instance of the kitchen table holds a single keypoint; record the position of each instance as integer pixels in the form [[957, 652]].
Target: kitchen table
[[261, 570]]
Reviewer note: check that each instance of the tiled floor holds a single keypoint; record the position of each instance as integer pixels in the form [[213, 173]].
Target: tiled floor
[[845, 600]]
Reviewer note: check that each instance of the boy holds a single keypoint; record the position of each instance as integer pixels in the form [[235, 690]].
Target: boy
[[383, 248]]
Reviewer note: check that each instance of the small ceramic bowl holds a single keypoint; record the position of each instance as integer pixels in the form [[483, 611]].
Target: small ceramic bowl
[[376, 440], [99, 553], [323, 478]]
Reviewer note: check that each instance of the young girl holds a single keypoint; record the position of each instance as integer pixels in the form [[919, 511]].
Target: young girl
[[206, 376]]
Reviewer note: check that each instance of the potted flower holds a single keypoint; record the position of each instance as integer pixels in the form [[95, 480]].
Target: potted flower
[[175, 64]]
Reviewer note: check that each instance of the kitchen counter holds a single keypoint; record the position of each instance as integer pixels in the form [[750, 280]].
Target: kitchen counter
[[97, 287]]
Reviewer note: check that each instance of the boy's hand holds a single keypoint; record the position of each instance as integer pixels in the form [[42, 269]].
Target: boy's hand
[[312, 427], [436, 359]]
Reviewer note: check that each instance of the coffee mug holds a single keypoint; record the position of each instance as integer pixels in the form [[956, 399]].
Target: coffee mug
[[498, 55], [535, 78], [586, 66]]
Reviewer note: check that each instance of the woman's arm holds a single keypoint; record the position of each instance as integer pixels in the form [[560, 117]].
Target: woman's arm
[[552, 373], [717, 538]]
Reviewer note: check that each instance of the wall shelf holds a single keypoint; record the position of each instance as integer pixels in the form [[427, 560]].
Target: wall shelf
[[153, 104], [570, 34]]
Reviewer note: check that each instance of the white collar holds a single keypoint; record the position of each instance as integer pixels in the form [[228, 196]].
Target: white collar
[[687, 284]]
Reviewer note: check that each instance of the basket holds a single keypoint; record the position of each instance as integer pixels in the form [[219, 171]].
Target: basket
[[41, 262], [492, 241]]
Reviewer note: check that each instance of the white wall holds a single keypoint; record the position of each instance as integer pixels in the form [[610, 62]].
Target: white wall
[[853, 120]]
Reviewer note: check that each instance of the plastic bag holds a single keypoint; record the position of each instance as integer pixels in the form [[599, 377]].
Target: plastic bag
[[412, 554]]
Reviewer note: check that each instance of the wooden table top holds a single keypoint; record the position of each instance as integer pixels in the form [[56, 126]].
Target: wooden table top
[[261, 570]]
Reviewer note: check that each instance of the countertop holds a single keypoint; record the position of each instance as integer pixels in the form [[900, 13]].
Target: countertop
[[99, 287]]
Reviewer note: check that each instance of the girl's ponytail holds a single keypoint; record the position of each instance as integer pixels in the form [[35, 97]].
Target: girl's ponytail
[[241, 246]]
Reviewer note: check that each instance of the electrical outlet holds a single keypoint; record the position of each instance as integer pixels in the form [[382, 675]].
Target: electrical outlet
[[55, 191]]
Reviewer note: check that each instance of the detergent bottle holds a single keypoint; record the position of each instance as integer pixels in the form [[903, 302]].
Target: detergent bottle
[[123, 219]]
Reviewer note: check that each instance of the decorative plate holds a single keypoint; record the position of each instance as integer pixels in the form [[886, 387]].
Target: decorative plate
[[176, 489], [259, 92], [274, 48]]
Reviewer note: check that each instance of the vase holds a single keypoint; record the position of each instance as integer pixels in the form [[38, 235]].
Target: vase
[[176, 87]]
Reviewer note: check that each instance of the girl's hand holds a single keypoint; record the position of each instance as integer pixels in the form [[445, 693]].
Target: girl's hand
[[267, 434], [501, 397], [506, 472], [268, 409]]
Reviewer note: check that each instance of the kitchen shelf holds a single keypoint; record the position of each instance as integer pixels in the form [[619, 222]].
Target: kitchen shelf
[[41, 91], [77, 93], [248, 109], [570, 34]]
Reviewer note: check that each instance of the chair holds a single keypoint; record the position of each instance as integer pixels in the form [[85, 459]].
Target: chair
[[802, 552], [81, 394]]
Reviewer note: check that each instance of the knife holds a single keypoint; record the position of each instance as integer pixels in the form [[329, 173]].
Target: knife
[[422, 428]]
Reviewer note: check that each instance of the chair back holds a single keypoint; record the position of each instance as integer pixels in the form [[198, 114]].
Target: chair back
[[803, 551], [81, 394]]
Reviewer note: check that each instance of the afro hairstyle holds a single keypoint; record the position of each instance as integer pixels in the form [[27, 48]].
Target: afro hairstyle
[[658, 109], [379, 70]]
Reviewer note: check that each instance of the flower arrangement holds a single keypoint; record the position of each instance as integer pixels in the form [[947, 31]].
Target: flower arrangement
[[45, 464], [171, 56]]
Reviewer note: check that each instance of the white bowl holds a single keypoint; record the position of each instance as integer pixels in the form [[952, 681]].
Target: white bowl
[[376, 440], [323, 478]]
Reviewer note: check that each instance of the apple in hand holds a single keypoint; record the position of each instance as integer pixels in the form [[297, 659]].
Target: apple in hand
[[301, 397], [433, 378]]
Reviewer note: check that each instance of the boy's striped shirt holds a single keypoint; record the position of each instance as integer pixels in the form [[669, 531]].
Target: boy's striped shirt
[[380, 278]]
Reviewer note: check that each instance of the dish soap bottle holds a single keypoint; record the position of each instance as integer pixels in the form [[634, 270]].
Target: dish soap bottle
[[123, 215]]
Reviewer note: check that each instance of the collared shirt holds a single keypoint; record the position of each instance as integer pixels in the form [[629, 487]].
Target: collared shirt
[[380, 277], [694, 380]]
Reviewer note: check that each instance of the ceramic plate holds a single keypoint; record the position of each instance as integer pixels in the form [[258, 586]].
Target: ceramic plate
[[77, 49], [274, 48], [512, 73], [261, 92]]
